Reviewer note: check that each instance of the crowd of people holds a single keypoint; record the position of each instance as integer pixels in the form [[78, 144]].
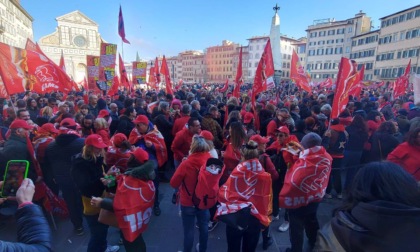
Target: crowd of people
[[94, 150]]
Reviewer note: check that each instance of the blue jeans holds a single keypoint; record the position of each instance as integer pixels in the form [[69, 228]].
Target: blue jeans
[[188, 222], [98, 233]]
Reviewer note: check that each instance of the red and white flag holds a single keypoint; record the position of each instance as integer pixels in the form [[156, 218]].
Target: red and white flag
[[401, 83], [238, 79], [355, 92], [121, 29], [298, 74], [327, 83], [347, 79], [165, 71], [264, 75], [225, 87], [62, 64]]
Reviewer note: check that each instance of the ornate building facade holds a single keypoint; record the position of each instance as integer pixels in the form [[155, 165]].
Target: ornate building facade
[[15, 24], [76, 36]]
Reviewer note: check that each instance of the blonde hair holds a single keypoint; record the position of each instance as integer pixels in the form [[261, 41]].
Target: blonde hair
[[250, 151], [199, 144], [102, 123], [47, 111], [88, 153]]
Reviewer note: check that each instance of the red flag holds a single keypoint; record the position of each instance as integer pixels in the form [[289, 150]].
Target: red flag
[[151, 82], [347, 79], [355, 92], [123, 73], [30, 70], [225, 87], [157, 74], [62, 64], [3, 92], [226, 116], [401, 83], [121, 30], [114, 88], [180, 82], [30, 45], [298, 74], [165, 71], [264, 74], [238, 79], [327, 83]]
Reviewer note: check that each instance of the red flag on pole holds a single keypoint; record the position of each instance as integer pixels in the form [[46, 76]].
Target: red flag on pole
[[157, 74], [298, 74], [355, 92], [165, 71], [264, 74], [347, 79], [151, 82], [123, 73], [225, 87], [121, 30], [62, 64], [401, 83], [238, 79]]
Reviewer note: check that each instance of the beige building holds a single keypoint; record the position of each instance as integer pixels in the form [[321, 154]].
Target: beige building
[[245, 59], [193, 66], [15, 24], [329, 40], [399, 41], [363, 51], [219, 61], [76, 36]]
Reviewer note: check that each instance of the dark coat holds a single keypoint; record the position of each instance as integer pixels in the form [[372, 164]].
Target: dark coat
[[58, 156], [125, 125], [33, 232], [86, 175]]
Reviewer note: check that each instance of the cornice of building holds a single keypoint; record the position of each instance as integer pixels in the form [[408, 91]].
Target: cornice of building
[[366, 33], [399, 12], [17, 4]]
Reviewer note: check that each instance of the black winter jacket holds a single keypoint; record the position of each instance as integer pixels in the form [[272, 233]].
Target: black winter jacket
[[125, 125], [33, 233], [87, 174], [58, 156]]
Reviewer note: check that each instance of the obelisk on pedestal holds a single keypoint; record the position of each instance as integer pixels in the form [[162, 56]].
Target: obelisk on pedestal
[[275, 45]]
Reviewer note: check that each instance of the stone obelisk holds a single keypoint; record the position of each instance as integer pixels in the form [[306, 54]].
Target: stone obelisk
[[275, 44]]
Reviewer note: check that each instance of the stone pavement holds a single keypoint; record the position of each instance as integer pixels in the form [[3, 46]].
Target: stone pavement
[[164, 233]]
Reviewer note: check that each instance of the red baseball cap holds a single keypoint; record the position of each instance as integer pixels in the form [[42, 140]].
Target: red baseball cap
[[48, 128], [248, 117], [68, 122], [19, 123], [284, 129], [207, 135], [103, 113], [95, 140], [141, 119], [140, 155], [259, 139], [118, 138]]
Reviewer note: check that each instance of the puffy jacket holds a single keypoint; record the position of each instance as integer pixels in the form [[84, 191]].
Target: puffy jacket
[[408, 157], [33, 232], [186, 175]]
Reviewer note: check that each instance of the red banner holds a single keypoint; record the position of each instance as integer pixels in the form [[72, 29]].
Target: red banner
[[298, 74], [401, 83], [238, 79], [347, 80], [265, 71], [123, 73], [326, 84], [358, 87], [3, 92], [165, 71], [107, 66], [92, 72]]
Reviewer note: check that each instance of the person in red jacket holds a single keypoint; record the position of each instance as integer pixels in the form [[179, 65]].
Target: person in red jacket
[[182, 141], [180, 122], [119, 153], [185, 178], [407, 154], [280, 120]]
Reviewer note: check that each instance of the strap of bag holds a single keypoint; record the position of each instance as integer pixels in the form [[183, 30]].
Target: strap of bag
[[185, 186]]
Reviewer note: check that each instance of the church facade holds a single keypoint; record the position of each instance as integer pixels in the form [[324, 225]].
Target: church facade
[[76, 36]]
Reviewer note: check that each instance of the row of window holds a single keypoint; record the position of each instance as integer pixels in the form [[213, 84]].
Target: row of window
[[403, 35], [220, 49], [323, 76], [394, 72], [327, 51], [330, 32], [329, 41], [364, 41], [413, 52], [362, 54], [320, 66], [401, 18]]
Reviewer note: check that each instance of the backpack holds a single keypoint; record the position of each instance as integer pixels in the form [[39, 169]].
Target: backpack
[[206, 189], [340, 144]]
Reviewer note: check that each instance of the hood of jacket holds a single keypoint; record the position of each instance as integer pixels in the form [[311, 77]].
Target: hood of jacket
[[65, 139], [145, 171], [378, 226]]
